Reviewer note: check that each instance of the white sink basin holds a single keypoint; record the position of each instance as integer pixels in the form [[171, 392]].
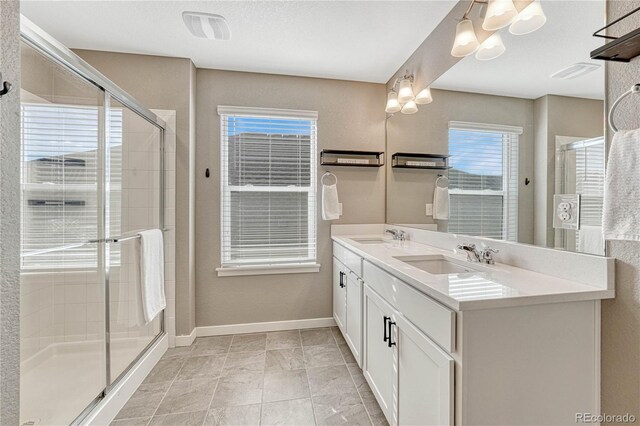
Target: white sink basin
[[437, 264], [370, 240]]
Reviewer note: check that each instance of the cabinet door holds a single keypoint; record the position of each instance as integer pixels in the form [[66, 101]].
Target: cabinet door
[[354, 316], [425, 378], [339, 294], [378, 355]]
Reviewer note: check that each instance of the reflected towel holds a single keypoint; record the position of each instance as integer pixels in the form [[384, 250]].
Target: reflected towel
[[590, 240], [152, 273], [621, 212], [441, 203], [330, 204]]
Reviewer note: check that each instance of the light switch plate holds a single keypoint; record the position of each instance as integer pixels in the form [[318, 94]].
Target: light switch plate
[[428, 209], [340, 209]]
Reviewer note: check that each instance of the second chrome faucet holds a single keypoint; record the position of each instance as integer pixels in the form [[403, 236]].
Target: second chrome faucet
[[479, 256]]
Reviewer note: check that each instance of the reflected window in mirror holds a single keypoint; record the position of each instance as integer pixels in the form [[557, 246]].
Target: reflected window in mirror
[[483, 180]]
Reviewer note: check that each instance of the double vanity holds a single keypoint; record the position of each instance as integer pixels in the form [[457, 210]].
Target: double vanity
[[443, 340]]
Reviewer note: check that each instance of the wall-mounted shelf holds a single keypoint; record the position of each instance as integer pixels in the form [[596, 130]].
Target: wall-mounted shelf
[[338, 157], [413, 160], [619, 49]]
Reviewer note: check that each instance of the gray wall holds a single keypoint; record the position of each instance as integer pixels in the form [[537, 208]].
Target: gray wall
[[621, 316], [427, 131], [557, 116], [351, 116], [166, 83], [9, 215]]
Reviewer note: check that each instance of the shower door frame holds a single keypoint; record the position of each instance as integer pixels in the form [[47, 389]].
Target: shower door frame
[[53, 50]]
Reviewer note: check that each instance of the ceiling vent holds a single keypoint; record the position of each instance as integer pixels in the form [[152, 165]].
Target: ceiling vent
[[207, 25], [575, 71]]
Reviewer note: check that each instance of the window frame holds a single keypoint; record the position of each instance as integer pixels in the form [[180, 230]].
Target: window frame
[[295, 265], [510, 172]]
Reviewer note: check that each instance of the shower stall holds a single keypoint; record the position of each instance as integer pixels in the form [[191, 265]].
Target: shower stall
[[92, 178]]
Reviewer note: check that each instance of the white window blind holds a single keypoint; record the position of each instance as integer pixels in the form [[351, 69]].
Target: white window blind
[[483, 180], [268, 178], [590, 183], [59, 184]]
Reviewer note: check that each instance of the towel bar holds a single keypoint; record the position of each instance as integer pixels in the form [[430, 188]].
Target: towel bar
[[634, 89]]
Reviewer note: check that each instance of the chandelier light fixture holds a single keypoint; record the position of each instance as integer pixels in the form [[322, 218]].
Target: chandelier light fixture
[[404, 100], [499, 14]]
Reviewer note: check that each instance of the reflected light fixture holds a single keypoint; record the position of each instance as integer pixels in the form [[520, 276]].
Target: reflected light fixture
[[403, 100], [424, 96], [409, 108], [466, 41], [529, 19], [491, 48], [405, 91], [393, 105], [500, 13]]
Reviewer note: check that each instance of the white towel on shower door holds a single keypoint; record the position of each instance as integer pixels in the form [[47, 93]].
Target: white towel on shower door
[[330, 203], [621, 211], [441, 203], [152, 273]]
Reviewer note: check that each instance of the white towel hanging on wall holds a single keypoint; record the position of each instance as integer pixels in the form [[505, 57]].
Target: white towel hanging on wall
[[330, 202]]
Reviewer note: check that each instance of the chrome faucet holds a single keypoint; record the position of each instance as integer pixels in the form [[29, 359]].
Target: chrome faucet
[[398, 235], [480, 256], [473, 254]]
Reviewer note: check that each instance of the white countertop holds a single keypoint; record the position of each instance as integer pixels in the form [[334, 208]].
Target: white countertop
[[492, 286]]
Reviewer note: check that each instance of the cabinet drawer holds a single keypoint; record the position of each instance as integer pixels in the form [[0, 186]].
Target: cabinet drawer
[[426, 314], [348, 258]]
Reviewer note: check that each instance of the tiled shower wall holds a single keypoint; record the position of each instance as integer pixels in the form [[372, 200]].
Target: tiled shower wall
[[59, 307]]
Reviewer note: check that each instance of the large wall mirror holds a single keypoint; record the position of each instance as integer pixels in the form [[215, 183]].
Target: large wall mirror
[[524, 136]]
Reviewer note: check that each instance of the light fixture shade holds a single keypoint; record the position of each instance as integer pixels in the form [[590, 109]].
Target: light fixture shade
[[491, 48], [393, 105], [424, 96], [405, 91], [500, 13], [529, 19], [409, 108], [466, 41]]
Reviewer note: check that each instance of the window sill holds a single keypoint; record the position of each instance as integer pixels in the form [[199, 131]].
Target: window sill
[[238, 271]]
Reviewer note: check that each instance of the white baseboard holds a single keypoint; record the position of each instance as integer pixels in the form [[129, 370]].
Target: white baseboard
[[110, 406], [186, 340], [258, 327]]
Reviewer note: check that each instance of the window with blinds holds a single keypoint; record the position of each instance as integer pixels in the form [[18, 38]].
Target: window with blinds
[[483, 180], [590, 165], [59, 184], [268, 178]]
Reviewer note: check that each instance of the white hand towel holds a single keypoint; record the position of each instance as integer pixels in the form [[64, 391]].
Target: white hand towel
[[152, 273], [330, 205], [441, 203], [621, 214], [590, 240]]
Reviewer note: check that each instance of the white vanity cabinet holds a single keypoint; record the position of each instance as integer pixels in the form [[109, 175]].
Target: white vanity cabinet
[[430, 365], [347, 297], [411, 377]]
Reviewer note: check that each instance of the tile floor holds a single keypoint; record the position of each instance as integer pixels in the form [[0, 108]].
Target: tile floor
[[301, 377]]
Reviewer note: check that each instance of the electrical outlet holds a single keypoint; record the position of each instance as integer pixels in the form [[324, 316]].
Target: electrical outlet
[[340, 209], [429, 209]]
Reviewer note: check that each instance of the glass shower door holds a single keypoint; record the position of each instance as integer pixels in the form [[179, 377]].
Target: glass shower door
[[63, 358], [133, 193]]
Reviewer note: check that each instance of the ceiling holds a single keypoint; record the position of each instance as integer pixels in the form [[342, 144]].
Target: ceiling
[[524, 70], [349, 40]]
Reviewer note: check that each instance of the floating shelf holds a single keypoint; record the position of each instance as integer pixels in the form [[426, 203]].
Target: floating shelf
[[413, 160], [619, 49], [337, 157]]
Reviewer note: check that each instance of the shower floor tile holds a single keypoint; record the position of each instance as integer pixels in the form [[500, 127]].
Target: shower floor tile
[[277, 383]]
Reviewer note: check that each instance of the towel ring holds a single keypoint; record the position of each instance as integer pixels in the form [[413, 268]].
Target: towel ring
[[329, 174], [442, 177], [634, 89]]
